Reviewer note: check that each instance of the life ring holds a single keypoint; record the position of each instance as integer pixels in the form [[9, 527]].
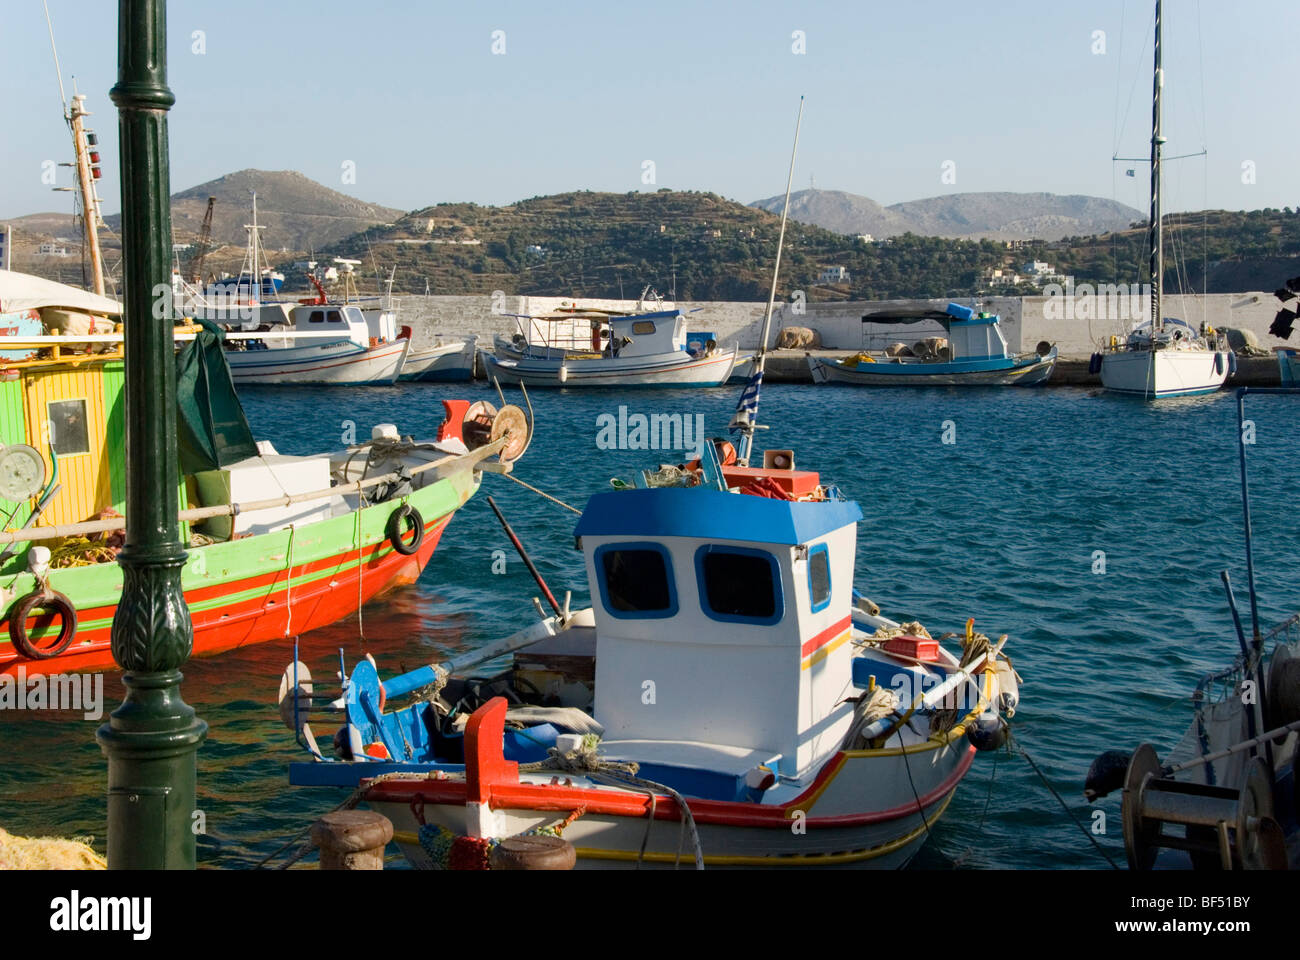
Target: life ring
[[49, 599], [396, 519]]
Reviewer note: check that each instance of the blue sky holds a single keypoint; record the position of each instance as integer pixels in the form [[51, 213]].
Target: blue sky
[[411, 93]]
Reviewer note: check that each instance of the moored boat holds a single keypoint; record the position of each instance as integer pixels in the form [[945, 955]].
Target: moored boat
[[727, 679], [277, 544], [638, 350], [440, 362], [1225, 795], [1162, 356], [328, 344], [974, 353]]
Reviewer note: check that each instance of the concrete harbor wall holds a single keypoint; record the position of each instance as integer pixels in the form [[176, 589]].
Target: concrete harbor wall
[[1026, 321]]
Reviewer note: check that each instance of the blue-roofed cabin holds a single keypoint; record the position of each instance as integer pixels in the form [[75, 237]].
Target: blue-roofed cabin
[[975, 336], [722, 624]]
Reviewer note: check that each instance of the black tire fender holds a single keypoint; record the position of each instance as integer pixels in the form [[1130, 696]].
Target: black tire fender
[[396, 520]]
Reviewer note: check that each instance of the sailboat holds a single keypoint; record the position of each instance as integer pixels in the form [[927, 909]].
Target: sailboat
[[1163, 357]]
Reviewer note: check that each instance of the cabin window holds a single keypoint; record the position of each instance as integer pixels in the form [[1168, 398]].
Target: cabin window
[[636, 580], [317, 316], [819, 577], [739, 585], [69, 434], [643, 326], [334, 317]]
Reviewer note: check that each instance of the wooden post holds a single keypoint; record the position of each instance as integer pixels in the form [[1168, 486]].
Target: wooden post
[[352, 839]]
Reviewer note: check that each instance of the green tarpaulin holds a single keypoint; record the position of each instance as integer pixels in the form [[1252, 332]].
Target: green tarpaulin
[[212, 430]]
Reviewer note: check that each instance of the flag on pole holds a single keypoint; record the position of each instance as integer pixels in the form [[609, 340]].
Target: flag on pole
[[747, 408], [1130, 173]]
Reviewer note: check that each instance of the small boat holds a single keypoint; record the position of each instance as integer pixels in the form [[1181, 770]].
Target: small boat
[[1288, 361], [328, 344], [638, 350], [1225, 796], [441, 362], [974, 353], [1163, 356], [729, 698]]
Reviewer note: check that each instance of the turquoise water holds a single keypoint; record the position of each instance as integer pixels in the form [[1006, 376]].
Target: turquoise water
[[1001, 525]]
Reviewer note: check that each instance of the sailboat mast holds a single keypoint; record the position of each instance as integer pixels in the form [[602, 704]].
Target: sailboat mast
[[1157, 142]]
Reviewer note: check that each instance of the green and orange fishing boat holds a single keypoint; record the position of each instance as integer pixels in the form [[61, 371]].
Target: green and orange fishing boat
[[278, 545]]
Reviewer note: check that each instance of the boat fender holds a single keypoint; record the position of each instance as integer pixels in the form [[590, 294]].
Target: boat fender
[[395, 522], [1218, 363], [1232, 363], [1008, 688], [988, 731], [48, 600], [1094, 364]]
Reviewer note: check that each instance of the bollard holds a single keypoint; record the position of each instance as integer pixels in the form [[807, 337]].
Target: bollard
[[352, 839], [533, 852]]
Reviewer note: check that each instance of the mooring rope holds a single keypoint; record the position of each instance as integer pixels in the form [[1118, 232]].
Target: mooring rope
[[1061, 800], [541, 493]]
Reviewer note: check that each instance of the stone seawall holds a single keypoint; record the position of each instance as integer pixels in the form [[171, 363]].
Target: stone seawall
[[1026, 321]]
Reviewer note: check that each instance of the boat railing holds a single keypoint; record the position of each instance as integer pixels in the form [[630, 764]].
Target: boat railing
[[1222, 684]]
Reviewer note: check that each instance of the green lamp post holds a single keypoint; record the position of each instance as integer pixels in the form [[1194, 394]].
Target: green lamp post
[[152, 739]]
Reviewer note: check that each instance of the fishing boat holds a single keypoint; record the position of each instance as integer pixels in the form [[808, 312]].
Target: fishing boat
[[1288, 361], [634, 350], [331, 344], [728, 698], [974, 353], [440, 362], [1161, 356], [277, 544], [1225, 796]]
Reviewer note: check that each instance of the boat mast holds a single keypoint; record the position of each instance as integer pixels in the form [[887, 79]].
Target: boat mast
[[747, 442], [86, 155], [1157, 233]]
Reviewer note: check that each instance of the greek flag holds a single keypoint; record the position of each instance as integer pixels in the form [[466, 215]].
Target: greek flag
[[1130, 173], [747, 408]]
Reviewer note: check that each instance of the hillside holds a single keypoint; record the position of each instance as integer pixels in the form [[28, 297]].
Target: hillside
[[697, 245], [975, 216], [298, 212]]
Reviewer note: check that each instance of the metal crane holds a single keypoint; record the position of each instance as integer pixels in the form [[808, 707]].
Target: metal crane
[[204, 241]]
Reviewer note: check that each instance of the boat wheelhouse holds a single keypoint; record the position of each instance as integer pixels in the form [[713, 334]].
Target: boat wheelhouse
[[973, 353]]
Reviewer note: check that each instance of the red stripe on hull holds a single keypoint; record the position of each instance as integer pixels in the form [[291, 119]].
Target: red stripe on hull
[[529, 796]]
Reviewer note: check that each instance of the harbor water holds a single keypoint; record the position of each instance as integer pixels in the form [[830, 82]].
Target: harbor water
[[1090, 528]]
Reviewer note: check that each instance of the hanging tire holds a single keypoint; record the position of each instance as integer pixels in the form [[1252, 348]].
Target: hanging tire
[[51, 600], [396, 520]]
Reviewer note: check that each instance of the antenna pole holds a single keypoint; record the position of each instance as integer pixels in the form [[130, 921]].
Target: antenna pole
[[760, 358]]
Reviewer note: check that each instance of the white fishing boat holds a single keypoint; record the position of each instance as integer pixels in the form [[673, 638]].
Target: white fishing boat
[[728, 699], [441, 362], [322, 344], [974, 353], [1163, 357], [638, 350]]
